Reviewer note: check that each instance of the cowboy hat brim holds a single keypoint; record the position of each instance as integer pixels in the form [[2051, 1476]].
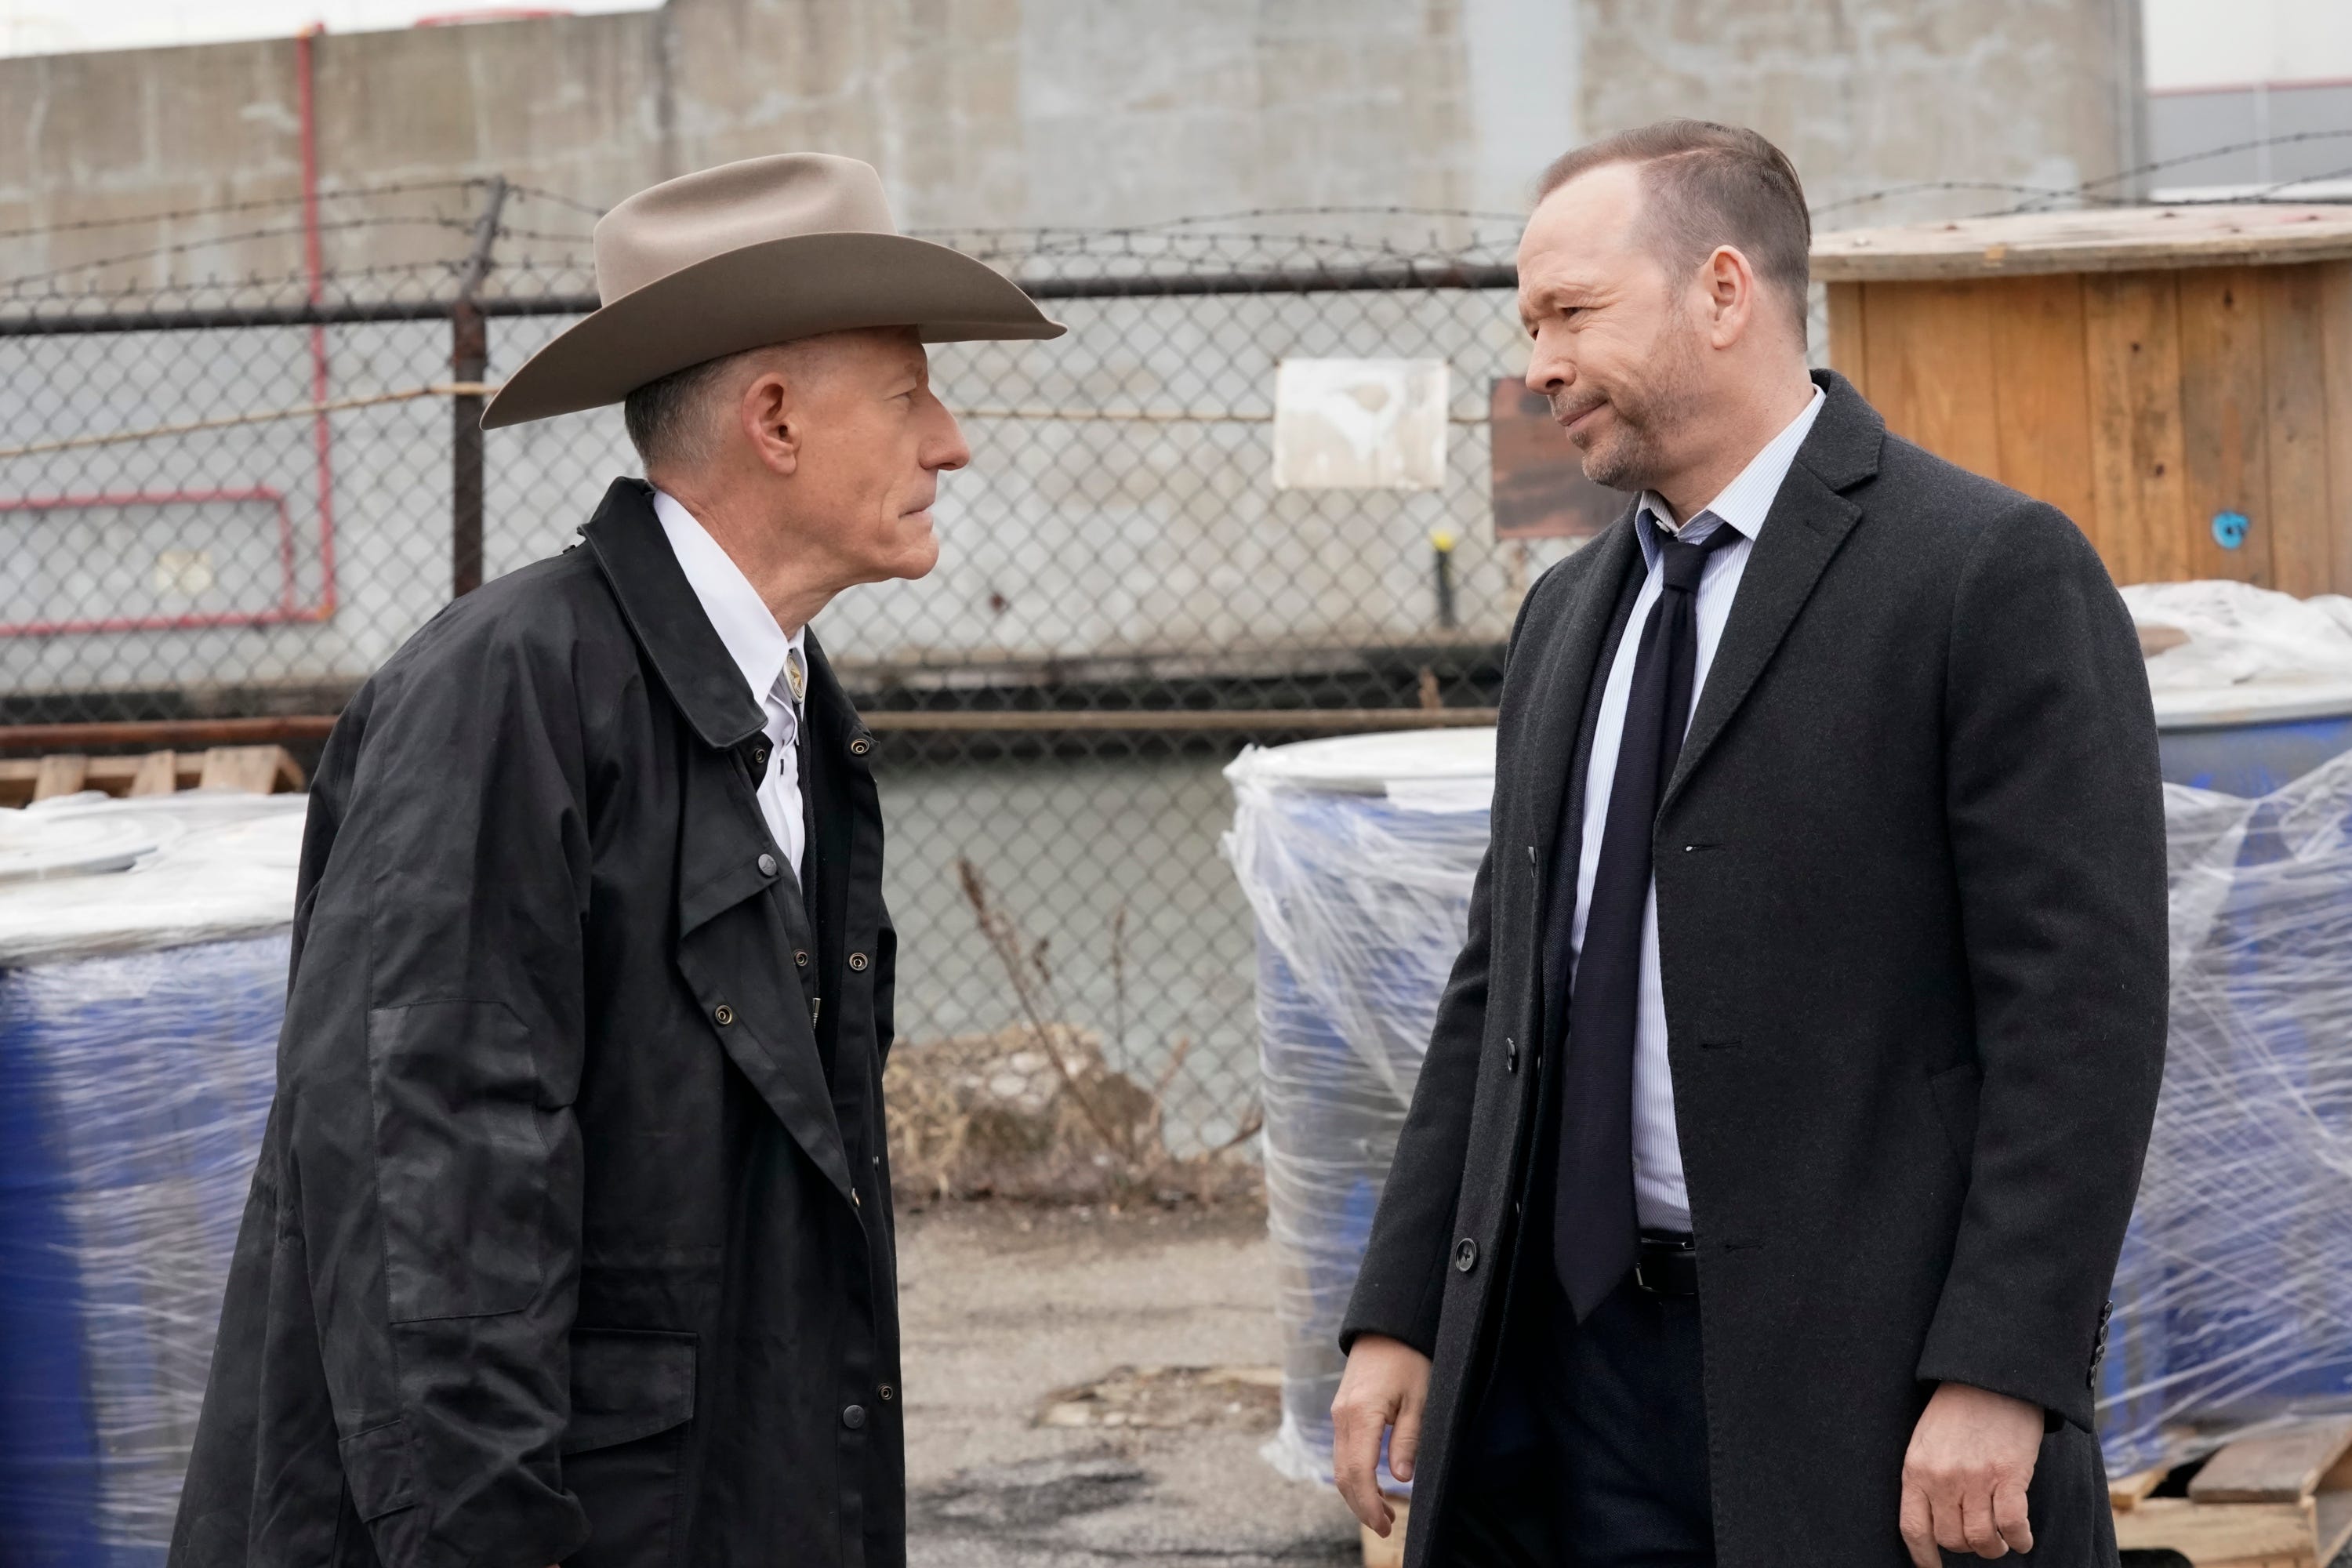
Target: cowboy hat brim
[[770, 292]]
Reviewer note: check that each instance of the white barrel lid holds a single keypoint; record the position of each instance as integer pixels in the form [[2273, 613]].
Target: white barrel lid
[[2252, 702], [98, 876], [1431, 770], [37, 845]]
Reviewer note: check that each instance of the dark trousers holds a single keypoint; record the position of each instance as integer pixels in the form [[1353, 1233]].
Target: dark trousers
[[1590, 1449]]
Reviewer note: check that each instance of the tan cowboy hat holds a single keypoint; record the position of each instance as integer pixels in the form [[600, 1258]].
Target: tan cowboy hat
[[753, 253]]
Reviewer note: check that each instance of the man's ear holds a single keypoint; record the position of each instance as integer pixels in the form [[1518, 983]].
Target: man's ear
[[770, 421], [1731, 286]]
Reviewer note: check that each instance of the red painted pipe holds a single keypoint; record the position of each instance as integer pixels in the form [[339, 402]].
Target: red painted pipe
[[288, 607], [321, 435]]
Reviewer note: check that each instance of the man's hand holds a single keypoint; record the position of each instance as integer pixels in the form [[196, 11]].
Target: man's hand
[[1386, 1383], [1964, 1478]]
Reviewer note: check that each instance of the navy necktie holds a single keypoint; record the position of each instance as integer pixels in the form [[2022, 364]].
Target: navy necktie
[[1595, 1234]]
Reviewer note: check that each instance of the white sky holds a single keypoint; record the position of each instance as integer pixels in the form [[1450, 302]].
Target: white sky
[[2236, 43], [59, 26]]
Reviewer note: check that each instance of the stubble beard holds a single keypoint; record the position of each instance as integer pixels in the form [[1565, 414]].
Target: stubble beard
[[1632, 457]]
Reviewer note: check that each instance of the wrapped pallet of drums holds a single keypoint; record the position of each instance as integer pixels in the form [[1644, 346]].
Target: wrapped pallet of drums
[[2233, 1294], [143, 977], [1357, 855]]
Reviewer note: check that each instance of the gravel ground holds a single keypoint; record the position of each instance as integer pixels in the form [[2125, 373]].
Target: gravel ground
[[1004, 1306]]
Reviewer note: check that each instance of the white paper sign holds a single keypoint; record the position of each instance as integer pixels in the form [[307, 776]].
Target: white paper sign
[[1360, 423]]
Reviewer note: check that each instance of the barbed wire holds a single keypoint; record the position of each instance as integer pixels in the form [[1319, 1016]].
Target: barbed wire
[[178, 248], [1186, 241], [255, 203]]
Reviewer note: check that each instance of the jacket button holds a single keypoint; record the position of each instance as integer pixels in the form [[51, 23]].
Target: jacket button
[[860, 746], [801, 958], [853, 1416], [723, 1013], [1510, 1055], [856, 1202], [888, 1393], [1465, 1255], [858, 962], [767, 865]]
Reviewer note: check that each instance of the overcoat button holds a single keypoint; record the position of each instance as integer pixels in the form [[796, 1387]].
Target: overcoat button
[[860, 746], [724, 1014], [858, 962], [801, 958], [767, 865], [1510, 1055], [888, 1393], [853, 1416], [1465, 1255], [856, 1202]]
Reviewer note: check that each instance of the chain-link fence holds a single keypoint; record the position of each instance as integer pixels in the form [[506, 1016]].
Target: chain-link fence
[[231, 501]]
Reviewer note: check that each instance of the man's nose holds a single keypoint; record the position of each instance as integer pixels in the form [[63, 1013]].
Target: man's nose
[[1547, 371], [949, 450]]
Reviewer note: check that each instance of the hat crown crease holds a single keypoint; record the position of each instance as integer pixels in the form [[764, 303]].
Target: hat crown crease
[[698, 216]]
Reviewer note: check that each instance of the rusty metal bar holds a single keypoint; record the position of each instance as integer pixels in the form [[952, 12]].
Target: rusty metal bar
[[469, 360], [165, 733], [80, 316], [159, 733], [1227, 720]]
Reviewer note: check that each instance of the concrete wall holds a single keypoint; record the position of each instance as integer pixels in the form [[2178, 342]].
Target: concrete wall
[[1052, 112]]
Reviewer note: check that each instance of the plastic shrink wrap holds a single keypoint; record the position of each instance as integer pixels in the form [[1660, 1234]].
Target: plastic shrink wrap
[[143, 977], [2234, 1297]]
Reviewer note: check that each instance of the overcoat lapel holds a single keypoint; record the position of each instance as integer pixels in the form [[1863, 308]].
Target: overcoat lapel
[[1808, 521], [1565, 678], [736, 965]]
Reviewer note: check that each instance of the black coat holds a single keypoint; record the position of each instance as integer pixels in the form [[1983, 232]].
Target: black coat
[[1912, 933], [564, 1245]]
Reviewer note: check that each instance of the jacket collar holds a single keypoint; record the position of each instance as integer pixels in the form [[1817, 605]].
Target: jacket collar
[[1810, 520], [659, 604], [1842, 448]]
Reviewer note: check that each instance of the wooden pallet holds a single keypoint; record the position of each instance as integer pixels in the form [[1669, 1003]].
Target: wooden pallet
[[1388, 1553], [2284, 1500], [252, 769]]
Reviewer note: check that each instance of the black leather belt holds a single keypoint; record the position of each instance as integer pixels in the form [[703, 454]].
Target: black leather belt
[[1667, 1265]]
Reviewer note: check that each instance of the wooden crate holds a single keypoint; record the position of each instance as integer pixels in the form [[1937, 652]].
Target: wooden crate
[[2279, 1501], [254, 770], [2156, 373]]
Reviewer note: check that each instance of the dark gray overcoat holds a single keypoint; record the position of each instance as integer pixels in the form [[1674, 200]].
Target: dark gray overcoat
[[565, 1244], [1911, 924]]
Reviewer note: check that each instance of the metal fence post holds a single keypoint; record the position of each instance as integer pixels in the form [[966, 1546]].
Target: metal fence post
[[469, 360]]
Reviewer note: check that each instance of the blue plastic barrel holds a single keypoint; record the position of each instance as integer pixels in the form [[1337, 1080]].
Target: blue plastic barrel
[[133, 1090], [1360, 877]]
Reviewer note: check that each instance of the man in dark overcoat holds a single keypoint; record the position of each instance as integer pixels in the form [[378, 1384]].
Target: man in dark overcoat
[[571, 1239], [1765, 1179]]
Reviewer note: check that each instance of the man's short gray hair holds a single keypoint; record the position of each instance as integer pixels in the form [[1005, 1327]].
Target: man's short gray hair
[[1706, 186], [666, 421]]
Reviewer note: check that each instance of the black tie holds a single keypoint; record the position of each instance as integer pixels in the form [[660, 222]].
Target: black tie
[[1595, 1236]]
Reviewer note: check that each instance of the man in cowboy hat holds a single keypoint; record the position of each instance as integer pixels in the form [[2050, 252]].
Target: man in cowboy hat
[[571, 1239]]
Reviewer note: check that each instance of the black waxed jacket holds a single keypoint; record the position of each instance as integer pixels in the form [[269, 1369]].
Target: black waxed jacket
[[570, 1240], [1911, 916]]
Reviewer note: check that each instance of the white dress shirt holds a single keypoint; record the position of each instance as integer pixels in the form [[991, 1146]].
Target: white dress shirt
[[1659, 1196], [761, 650]]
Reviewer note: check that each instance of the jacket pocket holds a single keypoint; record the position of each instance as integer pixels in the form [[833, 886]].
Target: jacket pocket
[[1955, 1091], [461, 1163], [377, 1470], [632, 1400]]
